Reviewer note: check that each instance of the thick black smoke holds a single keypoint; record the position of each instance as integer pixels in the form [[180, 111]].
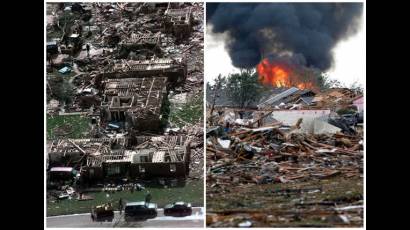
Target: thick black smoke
[[302, 32]]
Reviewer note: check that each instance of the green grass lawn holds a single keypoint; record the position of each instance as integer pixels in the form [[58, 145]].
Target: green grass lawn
[[78, 124], [193, 192], [189, 113]]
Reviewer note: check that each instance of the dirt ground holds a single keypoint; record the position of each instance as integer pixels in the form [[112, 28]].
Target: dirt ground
[[334, 202]]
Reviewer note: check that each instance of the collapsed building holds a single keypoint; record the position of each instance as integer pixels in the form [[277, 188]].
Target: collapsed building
[[178, 22], [102, 159], [134, 102], [175, 70], [147, 40], [74, 152], [291, 95], [134, 92], [146, 45]]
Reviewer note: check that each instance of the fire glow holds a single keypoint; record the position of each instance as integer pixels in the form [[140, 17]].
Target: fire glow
[[279, 75]]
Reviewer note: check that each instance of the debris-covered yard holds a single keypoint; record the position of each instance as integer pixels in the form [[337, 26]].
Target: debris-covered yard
[[285, 162], [192, 192], [333, 202]]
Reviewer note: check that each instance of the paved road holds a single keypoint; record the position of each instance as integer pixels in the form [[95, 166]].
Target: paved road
[[84, 220]]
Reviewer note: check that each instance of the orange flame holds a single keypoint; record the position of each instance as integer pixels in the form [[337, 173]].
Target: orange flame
[[279, 75]]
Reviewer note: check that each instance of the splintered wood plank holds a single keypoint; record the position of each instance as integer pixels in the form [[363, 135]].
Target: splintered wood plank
[[149, 92], [173, 156]]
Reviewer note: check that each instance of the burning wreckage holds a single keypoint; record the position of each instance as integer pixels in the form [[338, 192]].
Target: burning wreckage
[[284, 146], [284, 149], [124, 72]]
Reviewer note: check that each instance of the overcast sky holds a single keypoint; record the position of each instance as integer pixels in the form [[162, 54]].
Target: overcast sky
[[349, 55]]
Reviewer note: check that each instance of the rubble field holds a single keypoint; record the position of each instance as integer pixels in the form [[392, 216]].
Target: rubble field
[[301, 180], [316, 203], [124, 81], [285, 167]]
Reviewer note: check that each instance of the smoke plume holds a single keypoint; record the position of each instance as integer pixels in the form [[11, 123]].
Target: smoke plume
[[302, 33]]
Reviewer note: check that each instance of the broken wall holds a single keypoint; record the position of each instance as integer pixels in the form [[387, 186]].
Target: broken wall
[[290, 117], [174, 169]]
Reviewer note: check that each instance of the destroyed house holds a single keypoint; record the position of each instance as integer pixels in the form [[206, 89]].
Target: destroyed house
[[182, 16], [133, 102], [134, 92], [291, 95], [110, 158], [178, 22], [175, 70], [73, 152], [268, 99], [160, 156], [142, 41]]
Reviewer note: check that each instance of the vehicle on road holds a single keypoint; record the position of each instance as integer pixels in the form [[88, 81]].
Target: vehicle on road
[[140, 211], [178, 209], [104, 212]]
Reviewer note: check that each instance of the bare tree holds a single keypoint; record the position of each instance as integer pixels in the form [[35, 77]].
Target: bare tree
[[216, 88]]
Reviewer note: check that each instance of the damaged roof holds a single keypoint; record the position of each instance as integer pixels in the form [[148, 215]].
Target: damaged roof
[[272, 97]]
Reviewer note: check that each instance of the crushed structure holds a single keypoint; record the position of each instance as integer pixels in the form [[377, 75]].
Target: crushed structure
[[134, 102], [174, 70], [178, 22], [142, 41], [103, 158]]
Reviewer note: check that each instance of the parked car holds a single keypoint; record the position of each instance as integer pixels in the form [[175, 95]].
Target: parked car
[[178, 209], [140, 211], [103, 212], [350, 119]]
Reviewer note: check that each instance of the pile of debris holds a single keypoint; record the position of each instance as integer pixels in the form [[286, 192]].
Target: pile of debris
[[196, 135], [269, 154], [336, 98], [241, 157]]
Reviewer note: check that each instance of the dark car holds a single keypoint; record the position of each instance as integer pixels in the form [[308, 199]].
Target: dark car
[[52, 47], [103, 212], [178, 209], [140, 211], [350, 119]]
